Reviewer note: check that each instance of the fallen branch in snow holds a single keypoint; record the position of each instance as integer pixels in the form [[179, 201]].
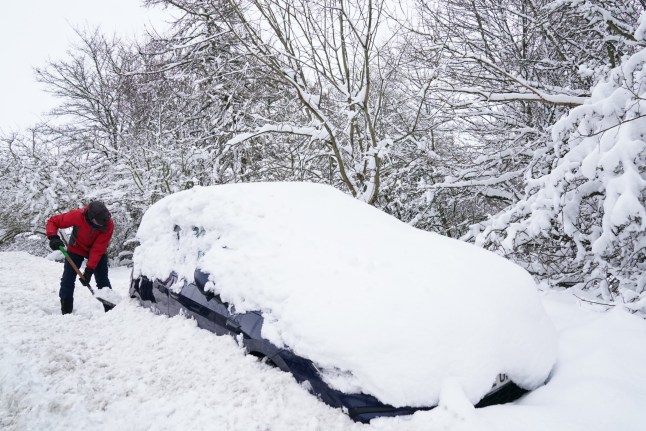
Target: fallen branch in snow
[[609, 305]]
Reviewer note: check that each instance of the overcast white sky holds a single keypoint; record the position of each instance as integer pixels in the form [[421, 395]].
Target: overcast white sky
[[33, 31]]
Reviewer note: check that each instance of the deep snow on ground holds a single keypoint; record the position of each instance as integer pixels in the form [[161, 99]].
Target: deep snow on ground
[[132, 370]]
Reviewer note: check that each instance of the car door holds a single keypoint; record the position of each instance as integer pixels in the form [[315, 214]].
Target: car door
[[160, 293], [207, 308], [152, 293]]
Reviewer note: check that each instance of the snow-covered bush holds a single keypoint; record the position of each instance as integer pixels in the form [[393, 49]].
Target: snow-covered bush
[[583, 217]]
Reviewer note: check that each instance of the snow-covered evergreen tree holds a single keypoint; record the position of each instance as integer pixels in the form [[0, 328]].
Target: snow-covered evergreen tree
[[583, 216]]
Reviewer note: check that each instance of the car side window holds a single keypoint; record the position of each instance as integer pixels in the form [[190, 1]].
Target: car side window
[[201, 280]]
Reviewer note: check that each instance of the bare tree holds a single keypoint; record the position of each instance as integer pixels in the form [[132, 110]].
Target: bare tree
[[329, 57], [509, 70]]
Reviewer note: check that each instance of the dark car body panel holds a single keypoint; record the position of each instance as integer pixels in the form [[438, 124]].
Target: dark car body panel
[[215, 315]]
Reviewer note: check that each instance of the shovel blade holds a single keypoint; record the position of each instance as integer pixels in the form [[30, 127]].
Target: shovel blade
[[107, 306]]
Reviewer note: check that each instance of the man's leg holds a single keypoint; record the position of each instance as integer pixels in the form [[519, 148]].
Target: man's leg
[[68, 279], [101, 273], [101, 276]]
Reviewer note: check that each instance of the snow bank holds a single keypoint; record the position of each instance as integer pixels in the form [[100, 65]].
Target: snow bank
[[380, 307]]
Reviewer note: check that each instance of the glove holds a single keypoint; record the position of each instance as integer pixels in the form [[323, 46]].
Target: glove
[[87, 275], [55, 242]]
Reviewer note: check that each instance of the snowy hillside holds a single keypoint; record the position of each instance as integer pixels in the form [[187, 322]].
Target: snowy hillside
[[131, 370]]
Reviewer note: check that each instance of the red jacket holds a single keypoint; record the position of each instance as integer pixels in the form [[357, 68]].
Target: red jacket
[[86, 240]]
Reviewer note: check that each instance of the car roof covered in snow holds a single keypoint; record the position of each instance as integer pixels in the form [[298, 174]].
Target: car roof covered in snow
[[381, 307]]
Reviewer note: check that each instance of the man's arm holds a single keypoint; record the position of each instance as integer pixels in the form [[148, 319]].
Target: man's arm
[[62, 221], [100, 246]]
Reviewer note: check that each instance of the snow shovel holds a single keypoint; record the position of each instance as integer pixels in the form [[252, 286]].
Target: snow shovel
[[107, 306]]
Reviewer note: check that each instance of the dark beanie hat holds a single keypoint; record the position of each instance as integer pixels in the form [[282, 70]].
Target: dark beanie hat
[[97, 211]]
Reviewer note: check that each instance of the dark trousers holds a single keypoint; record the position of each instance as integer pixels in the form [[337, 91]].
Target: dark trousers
[[69, 275]]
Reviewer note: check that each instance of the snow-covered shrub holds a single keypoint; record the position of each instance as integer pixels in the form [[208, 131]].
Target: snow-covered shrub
[[583, 217], [32, 244]]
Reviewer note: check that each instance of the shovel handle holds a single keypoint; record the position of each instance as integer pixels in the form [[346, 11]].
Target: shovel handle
[[73, 265]]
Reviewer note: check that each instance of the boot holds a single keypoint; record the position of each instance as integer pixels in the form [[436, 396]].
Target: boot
[[67, 305]]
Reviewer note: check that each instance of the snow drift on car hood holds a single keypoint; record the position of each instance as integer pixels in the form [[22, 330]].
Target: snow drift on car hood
[[381, 307]]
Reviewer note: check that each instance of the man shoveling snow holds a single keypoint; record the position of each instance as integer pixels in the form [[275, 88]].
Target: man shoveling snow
[[92, 228]]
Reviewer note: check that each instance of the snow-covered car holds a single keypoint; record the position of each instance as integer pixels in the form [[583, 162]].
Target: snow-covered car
[[372, 315]]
